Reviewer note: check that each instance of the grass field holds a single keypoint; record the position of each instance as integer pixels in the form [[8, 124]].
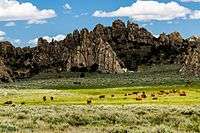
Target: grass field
[[118, 112], [121, 95]]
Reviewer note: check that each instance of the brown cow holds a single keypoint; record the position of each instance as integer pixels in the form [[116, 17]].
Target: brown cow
[[44, 98], [102, 96], [182, 93], [144, 95], [89, 101], [8, 102], [135, 93], [138, 98], [154, 98], [51, 98]]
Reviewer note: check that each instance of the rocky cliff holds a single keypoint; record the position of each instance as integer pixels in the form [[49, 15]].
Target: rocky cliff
[[104, 49], [191, 58]]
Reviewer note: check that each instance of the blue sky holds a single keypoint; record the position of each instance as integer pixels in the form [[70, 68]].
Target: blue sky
[[51, 18]]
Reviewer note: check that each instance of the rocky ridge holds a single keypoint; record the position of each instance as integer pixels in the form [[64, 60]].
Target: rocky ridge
[[104, 49]]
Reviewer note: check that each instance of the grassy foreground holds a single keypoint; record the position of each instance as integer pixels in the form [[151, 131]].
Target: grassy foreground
[[98, 119]]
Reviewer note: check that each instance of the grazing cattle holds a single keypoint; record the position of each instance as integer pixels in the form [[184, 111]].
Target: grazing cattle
[[112, 95], [138, 98], [129, 94], [8, 102], [13, 105], [44, 98], [89, 101], [183, 93], [125, 94], [167, 93], [22, 103], [144, 95], [51, 98], [162, 91], [153, 95], [102, 96], [135, 93], [154, 98]]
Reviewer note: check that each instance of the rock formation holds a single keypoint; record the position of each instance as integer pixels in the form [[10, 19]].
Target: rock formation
[[191, 58], [104, 49]]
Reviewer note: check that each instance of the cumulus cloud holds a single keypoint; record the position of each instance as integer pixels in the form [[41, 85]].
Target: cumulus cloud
[[10, 24], [48, 38], [195, 15], [2, 35], [67, 7], [36, 22], [148, 10], [12, 10]]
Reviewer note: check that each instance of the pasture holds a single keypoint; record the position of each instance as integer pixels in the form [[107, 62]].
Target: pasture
[[157, 99], [121, 95]]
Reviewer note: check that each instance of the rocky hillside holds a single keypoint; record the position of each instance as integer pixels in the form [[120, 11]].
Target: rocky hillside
[[191, 58], [104, 49]]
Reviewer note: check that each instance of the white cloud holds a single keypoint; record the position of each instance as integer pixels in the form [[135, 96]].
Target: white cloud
[[10, 24], [48, 38], [67, 7], [12, 10], [151, 23], [169, 22], [2, 35], [144, 25], [82, 14], [195, 15], [190, 0], [33, 41], [36, 22], [148, 10], [17, 41], [57, 37]]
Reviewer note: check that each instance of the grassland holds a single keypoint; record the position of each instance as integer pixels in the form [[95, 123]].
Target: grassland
[[80, 96], [119, 111], [101, 118]]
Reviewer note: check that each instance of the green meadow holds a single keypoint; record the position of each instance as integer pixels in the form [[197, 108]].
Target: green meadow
[[113, 107], [121, 95]]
